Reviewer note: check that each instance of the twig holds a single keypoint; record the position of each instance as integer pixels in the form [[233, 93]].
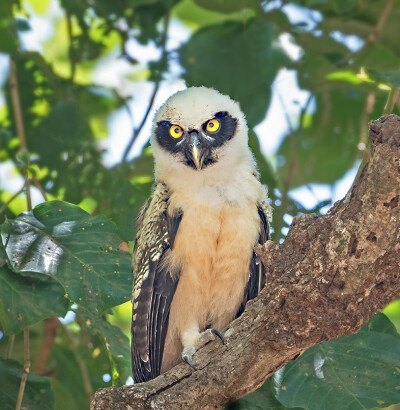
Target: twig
[[392, 98], [25, 373], [23, 146], [28, 191], [381, 22], [19, 123], [280, 212], [139, 128], [374, 34], [39, 186], [136, 132], [4, 207], [369, 105], [362, 145], [71, 47]]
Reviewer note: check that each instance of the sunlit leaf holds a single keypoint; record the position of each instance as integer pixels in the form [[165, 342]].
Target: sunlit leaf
[[81, 252], [40, 7], [392, 78], [352, 372], [195, 16]]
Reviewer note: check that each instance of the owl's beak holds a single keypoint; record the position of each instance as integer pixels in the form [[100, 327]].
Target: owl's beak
[[195, 149]]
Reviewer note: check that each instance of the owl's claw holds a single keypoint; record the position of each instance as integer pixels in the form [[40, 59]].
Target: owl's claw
[[216, 333], [187, 356], [204, 337]]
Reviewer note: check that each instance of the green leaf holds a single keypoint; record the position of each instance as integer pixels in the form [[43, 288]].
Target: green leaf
[[38, 393], [326, 146], [342, 7], [81, 252], [146, 16], [322, 54], [391, 78], [261, 399], [267, 174], [195, 16], [74, 369], [238, 59], [380, 323], [361, 371], [223, 6], [117, 344], [363, 19], [126, 198], [26, 301]]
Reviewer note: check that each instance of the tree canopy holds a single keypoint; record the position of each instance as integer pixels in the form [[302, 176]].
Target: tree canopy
[[79, 84]]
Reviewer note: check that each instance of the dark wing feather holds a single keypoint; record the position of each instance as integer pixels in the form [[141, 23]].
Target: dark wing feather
[[154, 284], [257, 270]]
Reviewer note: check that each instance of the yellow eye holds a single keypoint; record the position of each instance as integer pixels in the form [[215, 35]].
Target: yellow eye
[[213, 125], [175, 131]]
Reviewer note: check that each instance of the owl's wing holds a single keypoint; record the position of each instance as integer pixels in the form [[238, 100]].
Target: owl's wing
[[154, 284], [257, 270]]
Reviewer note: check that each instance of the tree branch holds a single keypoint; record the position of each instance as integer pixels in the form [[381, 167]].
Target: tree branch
[[326, 280]]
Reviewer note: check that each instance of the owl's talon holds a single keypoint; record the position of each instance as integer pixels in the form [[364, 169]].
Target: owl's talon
[[187, 356], [203, 338], [216, 333], [187, 360]]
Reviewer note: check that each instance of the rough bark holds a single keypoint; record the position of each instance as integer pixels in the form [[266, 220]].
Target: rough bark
[[326, 280]]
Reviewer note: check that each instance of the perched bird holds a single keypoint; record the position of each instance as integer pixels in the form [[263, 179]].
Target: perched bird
[[193, 261]]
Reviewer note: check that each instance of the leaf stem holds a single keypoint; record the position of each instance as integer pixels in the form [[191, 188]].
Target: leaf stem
[[136, 132], [392, 98], [5, 205], [25, 373]]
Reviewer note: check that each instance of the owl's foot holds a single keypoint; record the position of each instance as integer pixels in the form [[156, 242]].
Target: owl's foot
[[203, 338]]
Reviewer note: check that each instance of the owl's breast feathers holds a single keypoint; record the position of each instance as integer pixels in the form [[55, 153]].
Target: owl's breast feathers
[[208, 249]]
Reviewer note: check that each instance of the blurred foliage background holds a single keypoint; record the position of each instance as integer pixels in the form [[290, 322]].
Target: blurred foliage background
[[80, 80]]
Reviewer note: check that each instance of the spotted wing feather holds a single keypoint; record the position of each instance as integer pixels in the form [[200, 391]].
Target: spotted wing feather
[[257, 270], [154, 285]]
